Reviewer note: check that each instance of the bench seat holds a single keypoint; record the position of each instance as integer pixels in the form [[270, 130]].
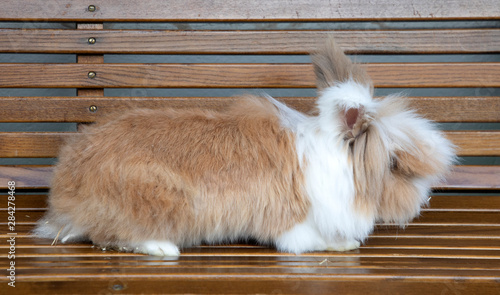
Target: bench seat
[[183, 54]]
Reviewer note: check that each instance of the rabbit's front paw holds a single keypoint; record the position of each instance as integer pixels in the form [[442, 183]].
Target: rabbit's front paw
[[158, 248], [344, 245]]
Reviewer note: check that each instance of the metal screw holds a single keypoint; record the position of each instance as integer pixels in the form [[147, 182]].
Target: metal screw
[[93, 109], [117, 287], [91, 8], [91, 40], [91, 75]]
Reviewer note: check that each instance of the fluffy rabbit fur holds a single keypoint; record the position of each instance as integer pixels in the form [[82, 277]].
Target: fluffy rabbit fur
[[151, 181]]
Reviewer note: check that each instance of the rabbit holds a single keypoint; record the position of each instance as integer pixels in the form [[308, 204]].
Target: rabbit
[[154, 181]]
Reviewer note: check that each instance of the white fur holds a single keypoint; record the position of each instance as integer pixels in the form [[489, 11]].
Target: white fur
[[158, 248], [332, 222], [344, 96]]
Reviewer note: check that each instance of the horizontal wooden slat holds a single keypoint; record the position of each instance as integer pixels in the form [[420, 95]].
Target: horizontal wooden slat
[[25, 202], [293, 284], [473, 177], [249, 42], [298, 262], [476, 143], [47, 144], [31, 145], [220, 10], [462, 177], [26, 177], [449, 231], [240, 75], [452, 231], [76, 109], [86, 250]]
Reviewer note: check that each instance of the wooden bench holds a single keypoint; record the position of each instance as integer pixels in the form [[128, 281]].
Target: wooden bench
[[213, 50]]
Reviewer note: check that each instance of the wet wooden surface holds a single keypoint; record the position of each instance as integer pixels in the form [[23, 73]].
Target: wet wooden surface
[[431, 255]]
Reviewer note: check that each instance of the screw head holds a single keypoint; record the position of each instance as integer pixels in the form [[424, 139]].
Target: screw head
[[93, 109], [91, 8], [91, 40], [91, 75], [117, 287]]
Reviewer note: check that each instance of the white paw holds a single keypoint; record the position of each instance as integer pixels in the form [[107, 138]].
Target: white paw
[[301, 238], [158, 248], [344, 246]]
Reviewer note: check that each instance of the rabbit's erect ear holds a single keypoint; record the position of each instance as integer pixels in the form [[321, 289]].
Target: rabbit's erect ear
[[332, 67], [354, 121]]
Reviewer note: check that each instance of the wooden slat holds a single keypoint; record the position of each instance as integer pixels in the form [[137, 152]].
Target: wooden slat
[[31, 145], [47, 144], [428, 231], [473, 177], [89, 59], [462, 177], [76, 109], [86, 250], [25, 202], [476, 143], [450, 231], [26, 177], [249, 42], [221, 10], [240, 75], [295, 284]]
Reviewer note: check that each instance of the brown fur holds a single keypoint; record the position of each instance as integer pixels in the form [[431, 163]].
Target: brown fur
[[181, 176], [332, 66], [383, 178]]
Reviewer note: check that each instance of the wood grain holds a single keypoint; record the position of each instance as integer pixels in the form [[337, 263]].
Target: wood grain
[[89, 58], [248, 42], [240, 75], [272, 10], [26, 177], [473, 177], [461, 178], [476, 143], [31, 144], [296, 284], [47, 144], [76, 109]]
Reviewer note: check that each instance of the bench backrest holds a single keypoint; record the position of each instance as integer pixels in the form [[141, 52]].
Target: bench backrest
[[177, 53]]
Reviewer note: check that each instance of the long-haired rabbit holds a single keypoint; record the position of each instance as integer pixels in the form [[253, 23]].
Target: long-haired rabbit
[[154, 181]]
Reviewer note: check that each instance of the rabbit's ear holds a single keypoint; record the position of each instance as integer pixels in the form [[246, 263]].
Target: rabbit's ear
[[332, 67], [354, 121]]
